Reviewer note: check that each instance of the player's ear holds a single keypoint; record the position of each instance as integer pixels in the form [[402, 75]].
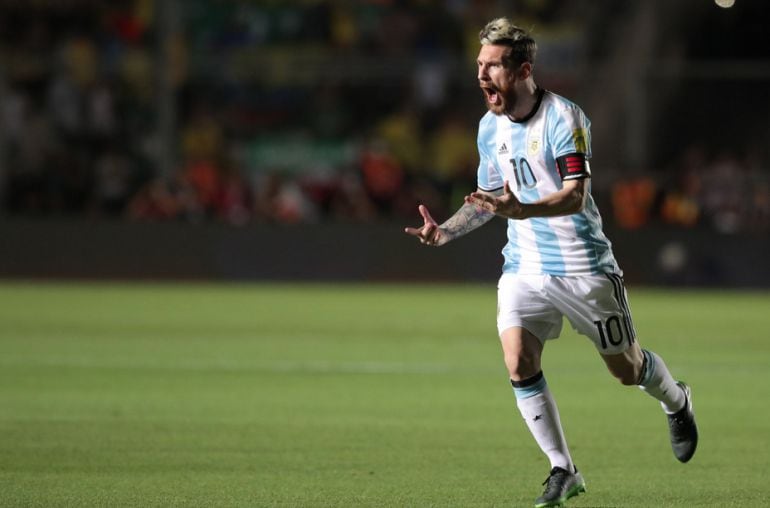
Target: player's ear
[[524, 71]]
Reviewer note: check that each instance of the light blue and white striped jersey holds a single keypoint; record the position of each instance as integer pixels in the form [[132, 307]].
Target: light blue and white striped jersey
[[525, 154]]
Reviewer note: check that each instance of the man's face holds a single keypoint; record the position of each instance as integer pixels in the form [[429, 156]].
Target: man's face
[[495, 80]]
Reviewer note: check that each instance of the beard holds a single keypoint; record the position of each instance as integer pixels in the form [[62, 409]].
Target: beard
[[499, 101]]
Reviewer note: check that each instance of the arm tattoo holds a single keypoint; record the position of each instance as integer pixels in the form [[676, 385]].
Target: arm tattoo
[[465, 220]]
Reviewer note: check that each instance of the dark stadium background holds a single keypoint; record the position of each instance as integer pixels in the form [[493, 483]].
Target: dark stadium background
[[245, 140]]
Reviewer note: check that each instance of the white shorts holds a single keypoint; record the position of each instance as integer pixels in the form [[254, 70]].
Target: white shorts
[[595, 305]]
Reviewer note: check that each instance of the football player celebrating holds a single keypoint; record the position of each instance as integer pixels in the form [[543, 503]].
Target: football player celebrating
[[534, 149]]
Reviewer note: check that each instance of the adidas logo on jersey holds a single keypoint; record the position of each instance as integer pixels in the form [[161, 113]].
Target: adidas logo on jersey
[[503, 149]]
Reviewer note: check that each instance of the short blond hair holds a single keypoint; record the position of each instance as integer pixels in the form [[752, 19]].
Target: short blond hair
[[503, 32]]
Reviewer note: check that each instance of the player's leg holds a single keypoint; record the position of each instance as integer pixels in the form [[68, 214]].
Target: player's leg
[[525, 321], [626, 366], [597, 307], [522, 353], [637, 366], [648, 371]]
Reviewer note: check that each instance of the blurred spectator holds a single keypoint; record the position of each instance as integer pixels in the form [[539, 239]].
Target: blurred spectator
[[453, 159], [632, 202], [681, 204], [204, 178], [31, 158], [350, 202], [401, 134], [165, 198], [759, 218], [234, 202], [383, 175], [281, 200], [101, 112], [723, 192], [112, 182]]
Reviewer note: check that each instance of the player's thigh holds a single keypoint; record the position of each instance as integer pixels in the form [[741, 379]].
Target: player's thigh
[[597, 307], [522, 303]]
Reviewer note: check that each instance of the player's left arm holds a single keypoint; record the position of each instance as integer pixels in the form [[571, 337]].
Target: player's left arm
[[566, 201]]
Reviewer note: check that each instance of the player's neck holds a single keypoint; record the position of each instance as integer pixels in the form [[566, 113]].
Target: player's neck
[[527, 103]]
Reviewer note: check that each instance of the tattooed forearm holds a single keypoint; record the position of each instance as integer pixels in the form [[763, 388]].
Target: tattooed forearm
[[465, 220]]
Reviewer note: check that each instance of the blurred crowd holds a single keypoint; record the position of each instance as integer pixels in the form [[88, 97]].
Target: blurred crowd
[[258, 137], [722, 191], [286, 112]]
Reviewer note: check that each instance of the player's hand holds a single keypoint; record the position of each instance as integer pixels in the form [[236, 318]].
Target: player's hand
[[505, 205], [429, 233]]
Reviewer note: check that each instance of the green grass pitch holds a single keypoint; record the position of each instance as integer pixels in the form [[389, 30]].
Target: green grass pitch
[[356, 395]]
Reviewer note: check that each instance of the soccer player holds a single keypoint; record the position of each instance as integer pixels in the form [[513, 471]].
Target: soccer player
[[534, 148]]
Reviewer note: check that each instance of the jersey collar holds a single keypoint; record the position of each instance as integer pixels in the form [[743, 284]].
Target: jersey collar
[[540, 92]]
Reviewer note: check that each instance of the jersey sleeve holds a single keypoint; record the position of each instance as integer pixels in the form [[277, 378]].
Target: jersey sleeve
[[569, 132], [488, 176]]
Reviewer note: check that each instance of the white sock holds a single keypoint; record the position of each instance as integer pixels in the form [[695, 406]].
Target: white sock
[[538, 408], [658, 382]]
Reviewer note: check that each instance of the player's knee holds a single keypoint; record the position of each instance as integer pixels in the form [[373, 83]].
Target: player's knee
[[521, 366]]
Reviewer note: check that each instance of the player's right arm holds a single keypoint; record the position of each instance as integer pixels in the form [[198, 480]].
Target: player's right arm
[[465, 220], [470, 215]]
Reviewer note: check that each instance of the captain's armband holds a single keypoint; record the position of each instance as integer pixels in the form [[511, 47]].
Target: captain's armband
[[573, 166]]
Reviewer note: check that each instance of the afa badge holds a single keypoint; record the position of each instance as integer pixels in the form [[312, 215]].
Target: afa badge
[[534, 146]]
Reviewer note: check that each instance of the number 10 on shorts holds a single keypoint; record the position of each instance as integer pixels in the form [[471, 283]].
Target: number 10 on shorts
[[612, 330]]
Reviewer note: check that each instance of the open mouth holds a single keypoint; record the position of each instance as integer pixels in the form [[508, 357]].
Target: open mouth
[[492, 95]]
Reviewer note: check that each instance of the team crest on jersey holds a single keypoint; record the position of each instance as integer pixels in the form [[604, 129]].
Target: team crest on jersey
[[579, 137], [503, 149], [534, 146]]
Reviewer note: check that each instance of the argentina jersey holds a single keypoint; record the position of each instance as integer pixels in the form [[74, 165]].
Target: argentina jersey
[[525, 155]]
